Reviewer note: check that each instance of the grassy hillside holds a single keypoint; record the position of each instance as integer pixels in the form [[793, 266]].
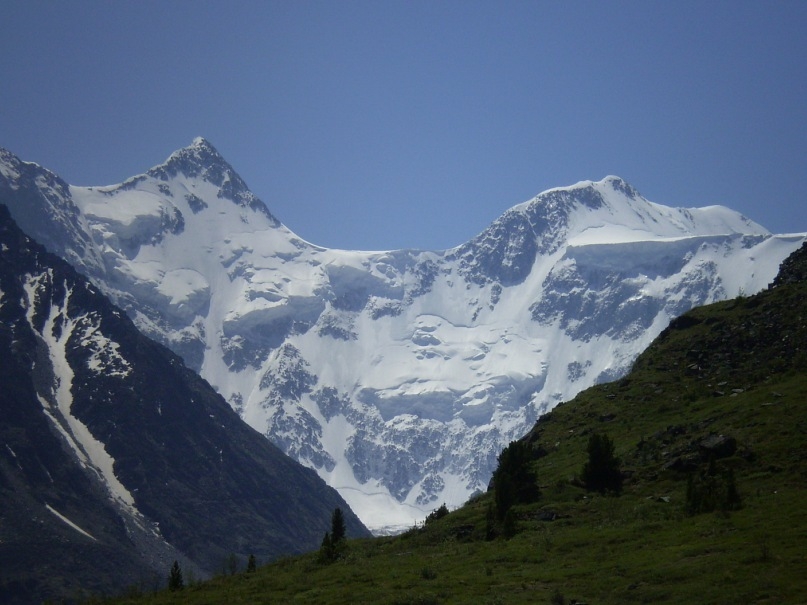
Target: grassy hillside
[[723, 389]]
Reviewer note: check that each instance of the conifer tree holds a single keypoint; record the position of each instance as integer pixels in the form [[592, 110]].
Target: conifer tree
[[251, 564], [333, 543], [327, 552], [601, 472], [514, 480], [175, 581], [337, 526]]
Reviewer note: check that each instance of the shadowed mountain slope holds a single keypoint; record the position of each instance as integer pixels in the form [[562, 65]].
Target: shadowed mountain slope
[[115, 458]]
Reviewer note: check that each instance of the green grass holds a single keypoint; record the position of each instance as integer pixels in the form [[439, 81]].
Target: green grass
[[736, 369]]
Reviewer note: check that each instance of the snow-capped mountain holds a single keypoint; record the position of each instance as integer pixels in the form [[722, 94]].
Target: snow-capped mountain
[[116, 459], [397, 375]]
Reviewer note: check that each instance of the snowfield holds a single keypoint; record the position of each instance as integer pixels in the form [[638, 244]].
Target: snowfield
[[400, 375]]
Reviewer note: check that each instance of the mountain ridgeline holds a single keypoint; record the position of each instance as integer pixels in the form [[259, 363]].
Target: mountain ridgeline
[[708, 434], [116, 459], [397, 375]]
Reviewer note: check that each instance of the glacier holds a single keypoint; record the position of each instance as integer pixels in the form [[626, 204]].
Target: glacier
[[398, 375]]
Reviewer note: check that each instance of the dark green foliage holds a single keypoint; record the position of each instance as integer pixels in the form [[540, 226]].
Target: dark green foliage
[[175, 581], [490, 522], [510, 524], [327, 553], [333, 543], [252, 565], [436, 514], [601, 471], [337, 526], [515, 480], [710, 491]]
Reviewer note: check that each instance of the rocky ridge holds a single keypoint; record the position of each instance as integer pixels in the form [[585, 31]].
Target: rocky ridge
[[397, 375]]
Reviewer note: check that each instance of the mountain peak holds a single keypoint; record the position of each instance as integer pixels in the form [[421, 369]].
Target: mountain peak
[[202, 149], [197, 159], [201, 142], [202, 160], [621, 185], [364, 364]]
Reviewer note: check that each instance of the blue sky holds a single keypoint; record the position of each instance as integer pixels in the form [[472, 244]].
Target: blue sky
[[385, 124]]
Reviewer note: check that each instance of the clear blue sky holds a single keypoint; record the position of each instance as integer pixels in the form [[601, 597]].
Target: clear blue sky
[[386, 124]]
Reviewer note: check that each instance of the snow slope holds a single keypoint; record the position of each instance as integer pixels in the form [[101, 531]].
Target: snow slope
[[398, 375]]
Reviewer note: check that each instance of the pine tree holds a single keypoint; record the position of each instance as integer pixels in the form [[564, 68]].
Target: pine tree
[[337, 527], [327, 553], [251, 564], [601, 472], [175, 581], [333, 543], [514, 480]]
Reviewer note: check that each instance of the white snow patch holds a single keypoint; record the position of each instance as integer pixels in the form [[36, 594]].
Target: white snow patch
[[10, 174], [441, 357], [181, 286], [69, 522], [56, 333], [379, 510], [17, 460], [131, 214], [105, 356]]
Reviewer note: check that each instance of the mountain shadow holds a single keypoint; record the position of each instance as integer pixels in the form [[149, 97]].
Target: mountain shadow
[[116, 459]]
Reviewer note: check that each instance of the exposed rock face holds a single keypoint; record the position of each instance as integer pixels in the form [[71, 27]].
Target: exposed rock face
[[793, 269], [116, 459], [398, 375]]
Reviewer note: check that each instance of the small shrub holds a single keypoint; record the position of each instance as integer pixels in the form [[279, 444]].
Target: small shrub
[[557, 598], [437, 514], [709, 492]]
